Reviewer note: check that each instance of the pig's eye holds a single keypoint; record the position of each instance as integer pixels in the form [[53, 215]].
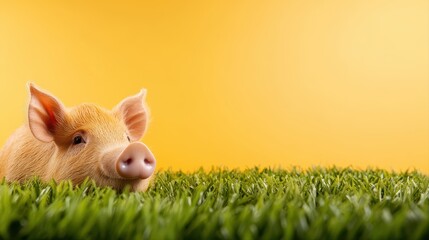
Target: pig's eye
[[128, 137], [78, 140]]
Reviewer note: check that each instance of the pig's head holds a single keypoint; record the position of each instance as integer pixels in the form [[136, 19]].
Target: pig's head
[[94, 142]]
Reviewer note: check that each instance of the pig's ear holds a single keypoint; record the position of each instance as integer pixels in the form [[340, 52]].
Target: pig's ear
[[135, 114], [45, 112]]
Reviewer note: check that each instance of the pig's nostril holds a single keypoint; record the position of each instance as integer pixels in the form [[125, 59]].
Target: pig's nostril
[[135, 161]]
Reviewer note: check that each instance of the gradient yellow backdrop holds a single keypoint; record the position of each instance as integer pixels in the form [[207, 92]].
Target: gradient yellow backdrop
[[235, 83]]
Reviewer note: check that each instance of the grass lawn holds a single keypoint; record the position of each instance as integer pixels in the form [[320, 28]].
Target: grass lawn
[[251, 204]]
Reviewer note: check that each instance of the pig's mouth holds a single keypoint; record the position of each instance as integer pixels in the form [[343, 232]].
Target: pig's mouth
[[119, 183]]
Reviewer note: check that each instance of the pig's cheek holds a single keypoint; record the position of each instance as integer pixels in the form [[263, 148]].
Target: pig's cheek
[[76, 150], [80, 160], [107, 159], [106, 164]]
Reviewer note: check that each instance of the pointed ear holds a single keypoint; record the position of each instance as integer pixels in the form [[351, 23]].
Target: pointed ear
[[45, 112], [135, 114]]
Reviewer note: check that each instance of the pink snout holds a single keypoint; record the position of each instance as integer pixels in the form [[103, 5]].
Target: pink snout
[[136, 161]]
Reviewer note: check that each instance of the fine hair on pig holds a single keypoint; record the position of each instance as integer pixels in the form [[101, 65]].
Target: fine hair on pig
[[85, 141]]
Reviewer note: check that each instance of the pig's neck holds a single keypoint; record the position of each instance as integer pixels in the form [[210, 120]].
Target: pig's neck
[[32, 157]]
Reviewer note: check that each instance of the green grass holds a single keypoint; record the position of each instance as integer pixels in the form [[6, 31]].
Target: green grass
[[251, 204]]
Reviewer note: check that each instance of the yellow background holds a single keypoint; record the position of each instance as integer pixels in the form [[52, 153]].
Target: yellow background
[[236, 83]]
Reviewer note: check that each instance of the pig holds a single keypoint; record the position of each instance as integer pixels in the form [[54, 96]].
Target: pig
[[85, 141]]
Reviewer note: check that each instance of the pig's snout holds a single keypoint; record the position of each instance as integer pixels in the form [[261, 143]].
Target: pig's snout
[[135, 161]]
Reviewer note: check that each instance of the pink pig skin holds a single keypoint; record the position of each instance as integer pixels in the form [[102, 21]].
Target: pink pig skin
[[79, 142]]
